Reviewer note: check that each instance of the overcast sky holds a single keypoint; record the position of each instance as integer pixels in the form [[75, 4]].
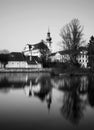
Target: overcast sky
[[27, 21]]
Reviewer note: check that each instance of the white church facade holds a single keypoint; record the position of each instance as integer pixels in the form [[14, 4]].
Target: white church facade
[[38, 49]]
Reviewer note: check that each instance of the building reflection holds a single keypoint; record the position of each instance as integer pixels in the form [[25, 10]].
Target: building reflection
[[78, 91], [40, 87]]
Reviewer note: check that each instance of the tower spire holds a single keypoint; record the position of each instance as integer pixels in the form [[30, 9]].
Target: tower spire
[[49, 39]]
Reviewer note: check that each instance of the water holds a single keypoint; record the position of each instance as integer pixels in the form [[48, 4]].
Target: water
[[39, 101]]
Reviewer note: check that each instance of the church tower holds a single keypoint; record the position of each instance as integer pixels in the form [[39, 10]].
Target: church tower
[[49, 39]]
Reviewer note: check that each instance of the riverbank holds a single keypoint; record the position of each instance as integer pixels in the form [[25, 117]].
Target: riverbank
[[71, 71], [52, 71], [25, 70]]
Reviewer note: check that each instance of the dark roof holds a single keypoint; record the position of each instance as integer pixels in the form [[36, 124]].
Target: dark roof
[[40, 45], [16, 56]]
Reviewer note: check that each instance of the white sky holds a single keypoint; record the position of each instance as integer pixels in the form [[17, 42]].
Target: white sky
[[27, 21]]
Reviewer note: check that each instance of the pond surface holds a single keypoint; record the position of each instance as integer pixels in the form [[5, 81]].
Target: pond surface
[[39, 101]]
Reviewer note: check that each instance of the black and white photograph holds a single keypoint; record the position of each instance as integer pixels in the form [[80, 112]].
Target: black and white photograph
[[46, 65]]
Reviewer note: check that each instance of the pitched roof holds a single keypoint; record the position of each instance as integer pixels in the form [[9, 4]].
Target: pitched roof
[[16, 56], [41, 45]]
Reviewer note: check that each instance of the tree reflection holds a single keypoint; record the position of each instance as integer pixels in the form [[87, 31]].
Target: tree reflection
[[91, 90], [73, 105]]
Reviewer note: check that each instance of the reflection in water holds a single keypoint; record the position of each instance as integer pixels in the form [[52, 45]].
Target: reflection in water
[[72, 108], [91, 91], [73, 103], [78, 92], [41, 88]]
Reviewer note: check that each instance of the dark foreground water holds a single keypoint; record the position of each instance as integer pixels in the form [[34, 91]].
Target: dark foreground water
[[39, 101]]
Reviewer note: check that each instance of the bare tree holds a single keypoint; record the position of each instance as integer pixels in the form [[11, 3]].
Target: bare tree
[[72, 36]]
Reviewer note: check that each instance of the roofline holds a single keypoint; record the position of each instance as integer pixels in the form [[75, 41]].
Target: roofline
[[35, 43]]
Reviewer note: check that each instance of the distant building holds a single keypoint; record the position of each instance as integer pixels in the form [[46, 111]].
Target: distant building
[[83, 57], [64, 56], [18, 60], [41, 48], [36, 49], [60, 56]]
